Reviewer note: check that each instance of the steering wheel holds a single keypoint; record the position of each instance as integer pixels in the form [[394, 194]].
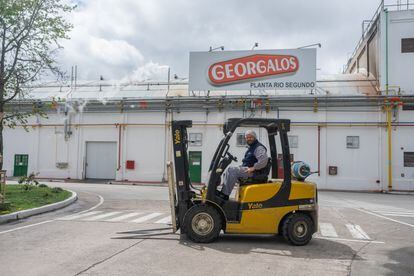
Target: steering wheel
[[231, 156]]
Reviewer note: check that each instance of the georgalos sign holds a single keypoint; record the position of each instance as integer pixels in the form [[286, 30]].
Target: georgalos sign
[[249, 70]]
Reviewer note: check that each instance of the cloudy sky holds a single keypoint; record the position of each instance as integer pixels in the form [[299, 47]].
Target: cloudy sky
[[139, 39]]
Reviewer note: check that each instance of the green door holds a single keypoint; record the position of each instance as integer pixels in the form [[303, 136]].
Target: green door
[[195, 166], [21, 162]]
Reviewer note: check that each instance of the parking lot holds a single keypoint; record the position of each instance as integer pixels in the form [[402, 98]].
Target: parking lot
[[359, 234]]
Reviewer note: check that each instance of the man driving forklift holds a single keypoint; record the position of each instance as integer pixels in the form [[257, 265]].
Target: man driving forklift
[[285, 205], [255, 159]]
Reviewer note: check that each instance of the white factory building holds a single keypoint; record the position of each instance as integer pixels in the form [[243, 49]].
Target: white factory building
[[356, 130]]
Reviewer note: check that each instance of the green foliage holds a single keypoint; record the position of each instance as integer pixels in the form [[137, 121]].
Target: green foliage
[[28, 182], [5, 207], [57, 190], [37, 196], [30, 36], [42, 185]]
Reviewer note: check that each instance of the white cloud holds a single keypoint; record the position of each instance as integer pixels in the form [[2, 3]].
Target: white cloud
[[114, 52], [130, 38]]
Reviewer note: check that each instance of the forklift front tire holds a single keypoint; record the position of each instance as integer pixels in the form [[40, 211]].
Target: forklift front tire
[[202, 223], [298, 229]]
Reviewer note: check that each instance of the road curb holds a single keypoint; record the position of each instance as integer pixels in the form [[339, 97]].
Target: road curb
[[39, 210], [396, 192], [400, 193]]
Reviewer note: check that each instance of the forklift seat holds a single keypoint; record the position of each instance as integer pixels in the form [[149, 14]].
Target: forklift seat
[[261, 176]]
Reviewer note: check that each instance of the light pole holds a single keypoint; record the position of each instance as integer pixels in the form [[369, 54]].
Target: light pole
[[176, 77], [256, 44], [310, 45], [213, 49]]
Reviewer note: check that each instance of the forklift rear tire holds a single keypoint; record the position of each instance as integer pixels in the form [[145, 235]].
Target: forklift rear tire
[[202, 223], [298, 229]]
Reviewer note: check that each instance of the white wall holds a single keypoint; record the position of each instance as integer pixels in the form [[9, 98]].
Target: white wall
[[145, 145], [402, 140], [18, 141], [143, 140], [400, 65]]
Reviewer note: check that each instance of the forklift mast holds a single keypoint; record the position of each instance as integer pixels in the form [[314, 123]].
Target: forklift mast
[[182, 177]]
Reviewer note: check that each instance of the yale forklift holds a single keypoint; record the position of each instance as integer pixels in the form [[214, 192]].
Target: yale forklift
[[262, 205]]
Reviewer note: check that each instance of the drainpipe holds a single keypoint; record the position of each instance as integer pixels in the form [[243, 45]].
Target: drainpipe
[[389, 129], [319, 150], [124, 144], [164, 165], [380, 152], [386, 51], [119, 145], [388, 106]]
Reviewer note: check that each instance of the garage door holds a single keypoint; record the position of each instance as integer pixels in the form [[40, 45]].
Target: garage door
[[100, 160]]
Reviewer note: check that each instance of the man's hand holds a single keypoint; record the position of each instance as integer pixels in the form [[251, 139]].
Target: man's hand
[[250, 170]]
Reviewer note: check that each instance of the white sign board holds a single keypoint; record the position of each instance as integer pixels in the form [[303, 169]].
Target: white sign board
[[249, 70]]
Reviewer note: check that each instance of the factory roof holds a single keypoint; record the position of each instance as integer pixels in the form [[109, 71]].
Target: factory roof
[[328, 85]]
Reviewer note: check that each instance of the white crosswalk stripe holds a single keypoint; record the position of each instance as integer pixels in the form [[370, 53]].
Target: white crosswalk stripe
[[327, 230], [120, 216], [398, 215], [357, 232], [164, 220], [147, 217], [73, 217], [123, 217], [395, 212], [98, 217]]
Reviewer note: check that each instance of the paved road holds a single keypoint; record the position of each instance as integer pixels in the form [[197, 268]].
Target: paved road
[[360, 234]]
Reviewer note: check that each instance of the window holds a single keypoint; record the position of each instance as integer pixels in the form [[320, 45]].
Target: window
[[293, 141], [195, 139], [408, 106], [241, 141], [352, 68], [362, 61], [408, 159], [352, 142], [407, 45]]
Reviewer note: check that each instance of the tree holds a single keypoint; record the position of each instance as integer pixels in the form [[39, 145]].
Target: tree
[[30, 35]]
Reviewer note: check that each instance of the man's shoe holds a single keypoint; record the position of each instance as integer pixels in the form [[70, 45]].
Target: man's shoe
[[221, 195]]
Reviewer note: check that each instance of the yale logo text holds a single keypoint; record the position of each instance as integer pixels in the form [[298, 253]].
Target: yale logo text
[[255, 205], [177, 137]]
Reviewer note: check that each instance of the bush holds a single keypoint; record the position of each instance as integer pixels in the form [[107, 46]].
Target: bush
[[57, 190], [42, 186], [27, 187], [29, 180], [5, 206]]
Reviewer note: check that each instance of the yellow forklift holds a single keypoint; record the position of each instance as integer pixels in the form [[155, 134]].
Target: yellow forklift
[[262, 205]]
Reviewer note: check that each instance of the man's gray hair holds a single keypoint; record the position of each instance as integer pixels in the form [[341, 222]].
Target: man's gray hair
[[250, 132]]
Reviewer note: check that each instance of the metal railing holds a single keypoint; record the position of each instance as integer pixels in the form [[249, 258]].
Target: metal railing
[[368, 24], [217, 103]]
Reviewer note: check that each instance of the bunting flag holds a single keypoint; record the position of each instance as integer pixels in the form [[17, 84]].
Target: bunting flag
[[143, 104], [258, 102]]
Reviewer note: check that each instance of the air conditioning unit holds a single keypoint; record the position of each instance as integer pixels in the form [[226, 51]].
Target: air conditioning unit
[[62, 165]]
